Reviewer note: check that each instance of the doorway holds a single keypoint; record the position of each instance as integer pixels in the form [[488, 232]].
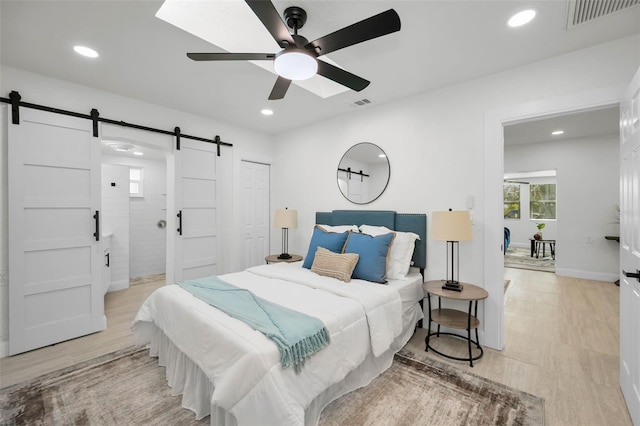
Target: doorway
[[134, 202], [495, 120]]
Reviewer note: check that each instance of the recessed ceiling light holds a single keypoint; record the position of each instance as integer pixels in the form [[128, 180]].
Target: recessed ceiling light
[[521, 18], [382, 156], [137, 153], [267, 111], [86, 51], [557, 132], [120, 146]]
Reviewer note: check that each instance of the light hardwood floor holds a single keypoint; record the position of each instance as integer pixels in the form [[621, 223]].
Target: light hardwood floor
[[561, 343]]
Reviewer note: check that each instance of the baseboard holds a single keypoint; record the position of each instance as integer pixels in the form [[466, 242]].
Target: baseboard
[[586, 275], [4, 348], [118, 285]]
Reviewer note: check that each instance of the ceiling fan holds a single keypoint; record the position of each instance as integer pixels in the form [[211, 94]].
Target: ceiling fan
[[298, 59]]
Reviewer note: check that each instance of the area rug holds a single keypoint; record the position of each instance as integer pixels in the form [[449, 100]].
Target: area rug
[[418, 390], [520, 258], [128, 387]]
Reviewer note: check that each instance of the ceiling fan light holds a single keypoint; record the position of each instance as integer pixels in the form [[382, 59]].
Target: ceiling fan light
[[295, 65]]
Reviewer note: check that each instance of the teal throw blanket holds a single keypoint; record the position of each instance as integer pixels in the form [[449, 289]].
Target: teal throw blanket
[[297, 336]]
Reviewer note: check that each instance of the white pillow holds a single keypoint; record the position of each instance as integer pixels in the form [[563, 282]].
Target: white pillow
[[401, 250], [340, 228]]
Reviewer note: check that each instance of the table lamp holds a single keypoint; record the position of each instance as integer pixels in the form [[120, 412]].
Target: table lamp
[[452, 227], [285, 219]]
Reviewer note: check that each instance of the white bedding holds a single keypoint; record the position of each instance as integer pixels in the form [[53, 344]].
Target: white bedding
[[242, 365]]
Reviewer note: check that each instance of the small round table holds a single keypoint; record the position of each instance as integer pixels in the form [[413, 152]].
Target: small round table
[[454, 318], [275, 259]]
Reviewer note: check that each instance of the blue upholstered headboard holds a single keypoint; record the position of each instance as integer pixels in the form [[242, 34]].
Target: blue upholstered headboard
[[403, 222]]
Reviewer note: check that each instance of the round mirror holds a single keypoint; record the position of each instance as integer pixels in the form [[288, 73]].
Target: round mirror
[[363, 173]]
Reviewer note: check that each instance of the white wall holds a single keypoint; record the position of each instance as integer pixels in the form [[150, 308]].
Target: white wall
[[588, 176], [42, 90], [435, 145]]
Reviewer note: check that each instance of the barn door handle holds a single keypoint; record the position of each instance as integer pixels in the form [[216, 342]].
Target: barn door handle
[[635, 275], [180, 222], [97, 218]]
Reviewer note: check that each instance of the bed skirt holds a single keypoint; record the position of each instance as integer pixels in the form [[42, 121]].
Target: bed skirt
[[187, 379]]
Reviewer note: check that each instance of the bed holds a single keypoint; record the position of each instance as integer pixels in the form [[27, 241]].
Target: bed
[[224, 368]]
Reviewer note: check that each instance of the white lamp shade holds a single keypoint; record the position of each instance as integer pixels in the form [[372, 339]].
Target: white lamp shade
[[451, 226], [295, 65], [285, 218]]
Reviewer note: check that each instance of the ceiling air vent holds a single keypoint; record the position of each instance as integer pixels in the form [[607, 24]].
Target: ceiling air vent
[[582, 11], [362, 102]]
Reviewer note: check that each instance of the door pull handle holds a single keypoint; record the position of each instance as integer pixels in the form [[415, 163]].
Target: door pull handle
[[108, 264], [180, 222], [635, 275], [97, 218]]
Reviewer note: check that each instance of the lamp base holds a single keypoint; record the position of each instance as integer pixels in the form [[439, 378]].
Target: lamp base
[[452, 285], [284, 256]]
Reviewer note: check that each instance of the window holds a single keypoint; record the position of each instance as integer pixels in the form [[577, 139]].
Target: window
[[511, 197], [542, 201], [135, 182]]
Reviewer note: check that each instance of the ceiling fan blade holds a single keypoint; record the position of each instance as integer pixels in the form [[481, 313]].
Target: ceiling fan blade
[[378, 25], [280, 88], [341, 76], [223, 56], [270, 18]]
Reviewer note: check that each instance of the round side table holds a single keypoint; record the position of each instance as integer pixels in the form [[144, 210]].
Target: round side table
[[454, 318]]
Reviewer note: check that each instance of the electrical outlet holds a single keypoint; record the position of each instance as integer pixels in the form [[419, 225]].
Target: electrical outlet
[[589, 239]]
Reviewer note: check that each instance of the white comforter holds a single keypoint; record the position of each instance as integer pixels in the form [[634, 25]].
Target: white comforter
[[243, 365]]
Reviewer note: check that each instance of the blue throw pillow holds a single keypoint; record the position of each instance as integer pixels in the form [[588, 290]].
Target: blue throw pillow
[[329, 240], [373, 251]]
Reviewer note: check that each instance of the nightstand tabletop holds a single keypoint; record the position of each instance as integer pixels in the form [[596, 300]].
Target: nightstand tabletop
[[469, 291], [275, 259]]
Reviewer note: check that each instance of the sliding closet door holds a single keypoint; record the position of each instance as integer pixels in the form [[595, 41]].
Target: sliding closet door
[[55, 261], [196, 244]]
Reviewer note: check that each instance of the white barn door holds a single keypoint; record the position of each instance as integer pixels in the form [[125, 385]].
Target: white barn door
[[196, 241], [55, 260], [630, 249], [255, 213]]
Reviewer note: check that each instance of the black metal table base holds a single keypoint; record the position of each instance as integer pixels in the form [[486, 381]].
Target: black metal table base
[[471, 358], [468, 338]]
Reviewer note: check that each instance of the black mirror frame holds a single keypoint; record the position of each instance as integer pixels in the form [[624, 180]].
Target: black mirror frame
[[356, 172]]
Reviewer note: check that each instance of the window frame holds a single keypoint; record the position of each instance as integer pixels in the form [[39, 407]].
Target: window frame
[[551, 201], [139, 182], [518, 202]]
